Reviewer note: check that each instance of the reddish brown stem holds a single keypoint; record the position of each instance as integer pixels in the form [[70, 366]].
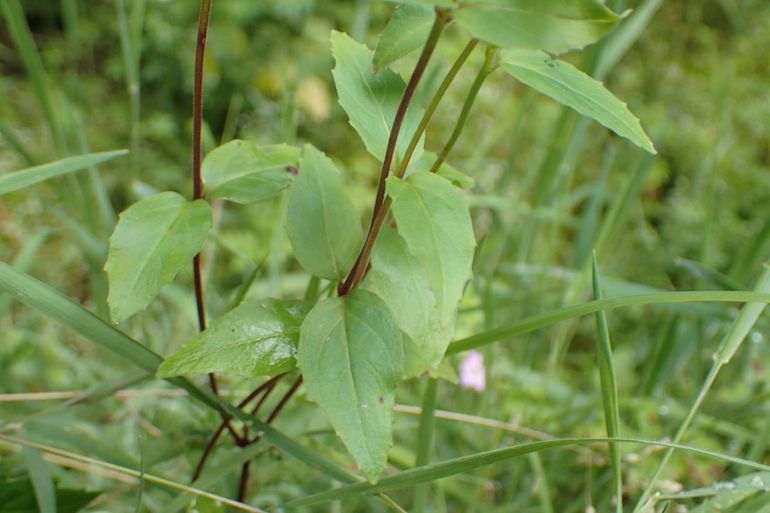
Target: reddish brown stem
[[243, 482], [280, 405], [209, 447], [266, 387], [284, 400], [200, 49], [268, 390], [203, 28], [422, 63]]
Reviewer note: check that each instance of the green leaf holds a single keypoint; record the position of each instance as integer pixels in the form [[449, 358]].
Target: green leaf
[[401, 280], [153, 239], [323, 225], [26, 177], [454, 175], [351, 357], [243, 172], [434, 220], [407, 30], [568, 85], [552, 25], [256, 338], [371, 100]]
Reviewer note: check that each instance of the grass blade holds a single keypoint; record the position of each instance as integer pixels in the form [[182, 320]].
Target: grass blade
[[42, 482], [80, 462], [23, 260], [730, 344], [30, 58], [425, 440], [20, 179], [543, 320], [55, 305], [609, 389], [443, 469], [15, 144]]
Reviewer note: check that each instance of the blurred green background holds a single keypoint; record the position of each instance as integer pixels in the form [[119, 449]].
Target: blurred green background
[[550, 187]]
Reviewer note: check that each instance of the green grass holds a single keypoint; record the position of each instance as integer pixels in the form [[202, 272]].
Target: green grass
[[594, 390]]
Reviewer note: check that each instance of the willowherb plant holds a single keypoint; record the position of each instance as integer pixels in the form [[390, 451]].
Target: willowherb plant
[[397, 284]]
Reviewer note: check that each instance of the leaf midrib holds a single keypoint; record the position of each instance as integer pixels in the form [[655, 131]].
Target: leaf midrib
[[634, 128]]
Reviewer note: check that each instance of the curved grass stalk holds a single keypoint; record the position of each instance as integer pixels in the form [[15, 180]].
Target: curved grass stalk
[[543, 320], [115, 472]]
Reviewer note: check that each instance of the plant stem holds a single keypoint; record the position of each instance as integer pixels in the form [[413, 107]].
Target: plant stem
[[243, 482], [266, 386], [203, 26], [425, 441], [419, 69], [487, 68], [378, 216], [422, 63], [437, 97], [200, 49]]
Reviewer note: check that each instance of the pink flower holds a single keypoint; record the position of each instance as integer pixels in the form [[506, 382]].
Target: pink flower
[[472, 372]]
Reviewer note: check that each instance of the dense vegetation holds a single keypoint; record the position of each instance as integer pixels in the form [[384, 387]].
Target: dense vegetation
[[546, 187]]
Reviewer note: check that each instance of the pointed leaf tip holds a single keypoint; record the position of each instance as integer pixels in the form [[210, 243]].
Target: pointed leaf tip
[[351, 357], [154, 238]]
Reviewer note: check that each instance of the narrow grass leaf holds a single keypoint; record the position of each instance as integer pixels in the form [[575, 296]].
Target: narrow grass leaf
[[20, 179], [406, 31], [151, 478], [439, 470], [15, 144], [615, 46], [740, 329], [752, 255], [18, 496], [727, 495], [744, 323], [30, 57], [425, 439], [153, 239], [568, 85], [609, 387], [23, 261], [58, 307], [42, 481], [543, 320]]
